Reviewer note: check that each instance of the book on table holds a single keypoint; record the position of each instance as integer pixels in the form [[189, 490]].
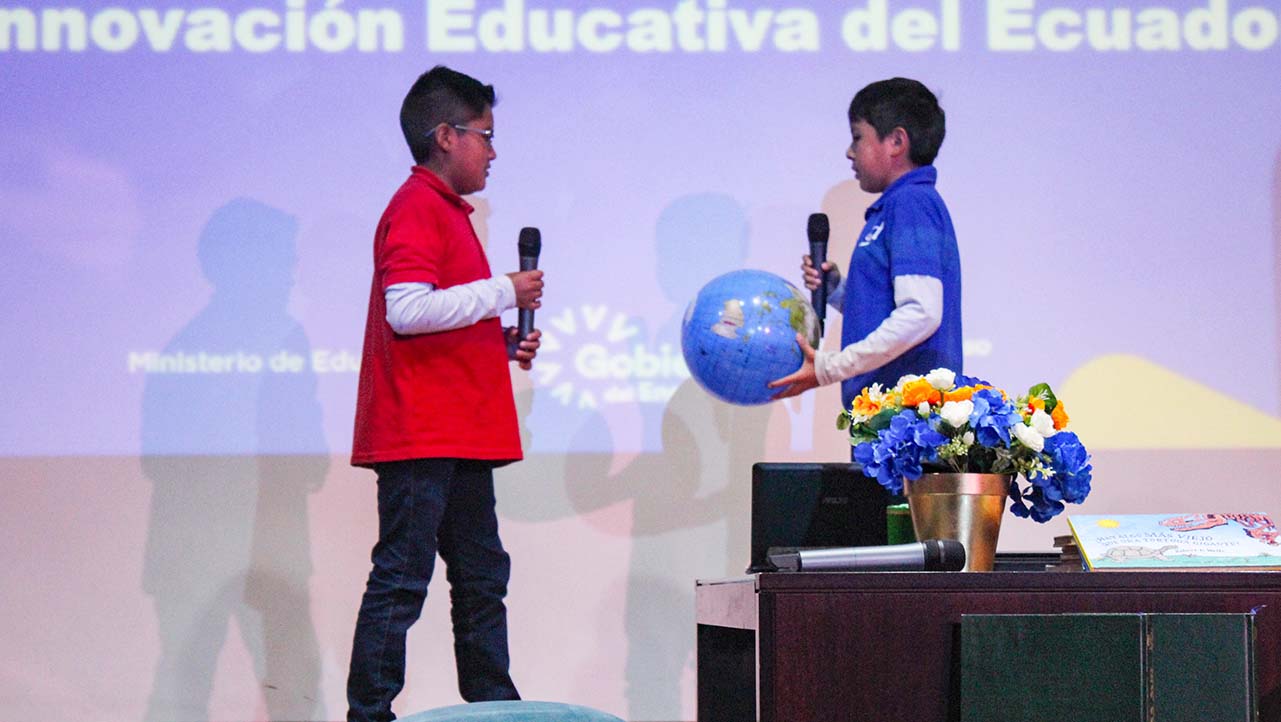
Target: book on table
[[1219, 541], [1069, 555]]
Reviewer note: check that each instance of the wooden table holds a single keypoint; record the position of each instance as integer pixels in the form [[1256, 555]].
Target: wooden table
[[866, 646]]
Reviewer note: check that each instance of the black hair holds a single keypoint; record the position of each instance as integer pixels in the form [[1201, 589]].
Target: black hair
[[440, 95], [907, 104]]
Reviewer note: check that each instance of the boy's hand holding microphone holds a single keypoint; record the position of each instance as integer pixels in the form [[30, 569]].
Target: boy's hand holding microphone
[[522, 339]]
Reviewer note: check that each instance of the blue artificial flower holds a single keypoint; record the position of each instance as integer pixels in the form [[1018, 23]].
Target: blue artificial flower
[[900, 428], [866, 456], [877, 459], [1017, 507], [899, 450], [926, 436], [1044, 509], [1068, 480], [1032, 502], [992, 418], [962, 381], [1071, 464]]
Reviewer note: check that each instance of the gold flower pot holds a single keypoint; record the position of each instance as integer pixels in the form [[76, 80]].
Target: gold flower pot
[[964, 507]]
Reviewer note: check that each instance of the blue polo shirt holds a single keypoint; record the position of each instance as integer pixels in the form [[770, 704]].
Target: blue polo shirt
[[908, 232]]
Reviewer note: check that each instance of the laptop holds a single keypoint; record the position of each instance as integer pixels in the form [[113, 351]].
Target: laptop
[[813, 505]]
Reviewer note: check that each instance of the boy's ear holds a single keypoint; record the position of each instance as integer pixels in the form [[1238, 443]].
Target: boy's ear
[[443, 137], [900, 142]]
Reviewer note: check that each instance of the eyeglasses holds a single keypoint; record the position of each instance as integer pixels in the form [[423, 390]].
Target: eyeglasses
[[486, 134]]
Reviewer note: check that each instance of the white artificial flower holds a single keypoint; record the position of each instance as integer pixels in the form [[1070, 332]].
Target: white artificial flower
[[876, 393], [968, 438], [1043, 423], [942, 379], [923, 409], [1029, 437], [957, 413]]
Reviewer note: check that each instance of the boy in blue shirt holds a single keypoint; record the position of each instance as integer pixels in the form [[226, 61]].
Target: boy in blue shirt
[[901, 304]]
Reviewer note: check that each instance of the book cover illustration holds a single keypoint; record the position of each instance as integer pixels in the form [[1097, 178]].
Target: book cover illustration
[[1177, 541]]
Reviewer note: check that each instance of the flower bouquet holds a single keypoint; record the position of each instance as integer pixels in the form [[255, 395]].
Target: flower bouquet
[[949, 423]]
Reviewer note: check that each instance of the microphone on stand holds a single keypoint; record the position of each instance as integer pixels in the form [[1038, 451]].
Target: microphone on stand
[[818, 229], [529, 246], [932, 555]]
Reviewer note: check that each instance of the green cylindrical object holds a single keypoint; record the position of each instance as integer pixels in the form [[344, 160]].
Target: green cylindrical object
[[898, 525]]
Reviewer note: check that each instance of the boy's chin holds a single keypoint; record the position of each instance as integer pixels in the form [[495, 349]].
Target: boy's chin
[[870, 185]]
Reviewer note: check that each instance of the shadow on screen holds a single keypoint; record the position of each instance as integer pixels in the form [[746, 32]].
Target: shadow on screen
[[233, 453], [687, 492]]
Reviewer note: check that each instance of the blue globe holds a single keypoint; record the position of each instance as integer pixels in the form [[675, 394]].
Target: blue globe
[[739, 334]]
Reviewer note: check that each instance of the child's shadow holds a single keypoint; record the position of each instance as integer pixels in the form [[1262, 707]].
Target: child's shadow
[[688, 490], [232, 455]]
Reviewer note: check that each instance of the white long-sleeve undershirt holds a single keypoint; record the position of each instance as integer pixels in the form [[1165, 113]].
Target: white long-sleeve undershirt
[[918, 312], [414, 308]]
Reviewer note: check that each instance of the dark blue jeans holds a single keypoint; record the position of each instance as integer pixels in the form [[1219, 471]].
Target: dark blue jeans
[[427, 506]]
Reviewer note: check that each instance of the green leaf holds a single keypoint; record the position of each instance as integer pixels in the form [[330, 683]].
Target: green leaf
[[882, 420], [1044, 391], [842, 422], [982, 459], [858, 436]]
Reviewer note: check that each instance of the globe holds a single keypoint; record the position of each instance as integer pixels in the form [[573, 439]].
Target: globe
[[739, 334]]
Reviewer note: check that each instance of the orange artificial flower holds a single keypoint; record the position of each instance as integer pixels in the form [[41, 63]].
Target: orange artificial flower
[[865, 406], [964, 393], [1060, 417], [919, 391]]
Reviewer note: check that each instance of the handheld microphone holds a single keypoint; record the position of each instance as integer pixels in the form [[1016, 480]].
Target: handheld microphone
[[818, 229], [529, 246], [933, 555]]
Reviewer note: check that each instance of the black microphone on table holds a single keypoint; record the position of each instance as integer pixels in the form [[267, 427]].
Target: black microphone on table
[[818, 229], [529, 246], [932, 555]]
